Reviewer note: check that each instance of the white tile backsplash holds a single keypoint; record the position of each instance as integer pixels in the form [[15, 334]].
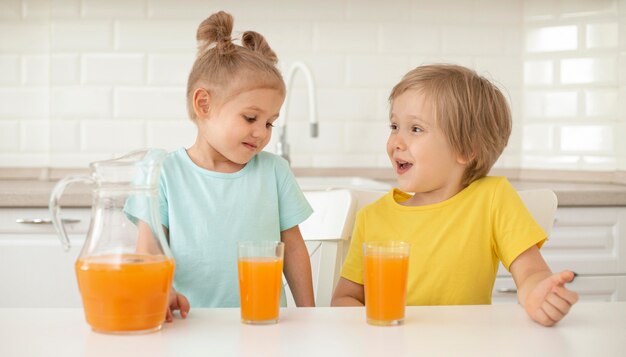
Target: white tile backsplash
[[553, 104], [587, 138], [35, 70], [353, 37], [112, 8], [23, 103], [589, 70], [602, 35], [150, 103], [24, 36], [64, 136], [550, 39], [155, 35], [10, 9], [602, 103], [10, 69], [112, 135], [539, 72], [375, 71], [82, 80], [169, 69], [114, 69], [81, 102], [538, 138], [81, 35], [9, 136], [64, 69], [34, 135], [65, 8]]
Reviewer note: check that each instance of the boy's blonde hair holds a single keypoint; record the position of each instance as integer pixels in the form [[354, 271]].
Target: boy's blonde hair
[[470, 110], [225, 69]]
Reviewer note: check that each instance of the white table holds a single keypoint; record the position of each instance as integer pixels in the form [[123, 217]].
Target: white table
[[591, 329]]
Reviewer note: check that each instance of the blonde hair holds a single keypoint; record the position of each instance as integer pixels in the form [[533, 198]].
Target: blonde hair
[[470, 110], [225, 69]]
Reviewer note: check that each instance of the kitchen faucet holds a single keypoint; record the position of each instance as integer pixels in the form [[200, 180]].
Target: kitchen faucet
[[282, 147]]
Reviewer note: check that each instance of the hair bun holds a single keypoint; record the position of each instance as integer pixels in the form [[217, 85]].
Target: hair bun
[[216, 31], [255, 42]]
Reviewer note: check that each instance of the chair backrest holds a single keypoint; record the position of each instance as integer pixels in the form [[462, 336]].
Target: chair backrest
[[541, 204], [324, 233]]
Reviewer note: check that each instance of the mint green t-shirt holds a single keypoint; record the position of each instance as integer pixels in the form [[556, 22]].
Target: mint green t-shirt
[[208, 212]]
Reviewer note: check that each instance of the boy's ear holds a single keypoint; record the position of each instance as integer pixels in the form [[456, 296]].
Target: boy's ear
[[201, 102], [464, 160]]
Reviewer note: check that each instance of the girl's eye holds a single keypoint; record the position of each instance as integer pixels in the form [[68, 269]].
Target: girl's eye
[[393, 126], [269, 125], [416, 129], [249, 119]]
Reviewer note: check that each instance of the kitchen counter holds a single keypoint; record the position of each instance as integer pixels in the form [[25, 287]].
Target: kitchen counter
[[35, 193], [591, 329]]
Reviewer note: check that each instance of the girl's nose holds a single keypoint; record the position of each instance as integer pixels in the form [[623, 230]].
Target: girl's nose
[[259, 131]]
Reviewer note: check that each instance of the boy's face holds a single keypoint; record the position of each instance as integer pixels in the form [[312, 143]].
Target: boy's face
[[419, 150], [240, 128]]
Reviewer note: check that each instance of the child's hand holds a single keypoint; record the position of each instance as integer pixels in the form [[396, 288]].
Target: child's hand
[[550, 300], [176, 302]]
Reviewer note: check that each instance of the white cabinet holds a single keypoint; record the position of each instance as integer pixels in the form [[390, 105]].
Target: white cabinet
[[590, 241], [35, 271]]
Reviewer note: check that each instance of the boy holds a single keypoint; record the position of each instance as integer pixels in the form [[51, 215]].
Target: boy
[[448, 127]]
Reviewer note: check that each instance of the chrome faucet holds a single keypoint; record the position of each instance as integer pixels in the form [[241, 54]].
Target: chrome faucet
[[282, 147]]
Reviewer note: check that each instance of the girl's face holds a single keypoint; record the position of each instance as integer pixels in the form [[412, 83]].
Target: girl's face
[[419, 151], [234, 131]]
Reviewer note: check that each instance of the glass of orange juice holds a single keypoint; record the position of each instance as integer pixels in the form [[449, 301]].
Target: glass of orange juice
[[385, 267], [260, 266]]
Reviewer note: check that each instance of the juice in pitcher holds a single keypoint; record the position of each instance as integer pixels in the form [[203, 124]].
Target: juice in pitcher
[[125, 293], [260, 282]]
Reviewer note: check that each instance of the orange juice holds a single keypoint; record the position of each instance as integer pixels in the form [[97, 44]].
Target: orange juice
[[259, 287], [385, 287], [127, 293]]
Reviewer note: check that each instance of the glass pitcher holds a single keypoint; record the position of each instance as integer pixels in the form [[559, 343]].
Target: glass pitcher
[[125, 267]]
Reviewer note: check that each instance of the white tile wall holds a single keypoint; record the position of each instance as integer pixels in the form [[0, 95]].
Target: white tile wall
[[583, 100], [82, 80]]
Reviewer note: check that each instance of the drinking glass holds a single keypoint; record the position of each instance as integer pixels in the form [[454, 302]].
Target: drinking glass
[[385, 277], [260, 265]]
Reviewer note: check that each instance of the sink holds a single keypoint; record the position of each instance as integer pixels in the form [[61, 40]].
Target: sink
[[320, 183]]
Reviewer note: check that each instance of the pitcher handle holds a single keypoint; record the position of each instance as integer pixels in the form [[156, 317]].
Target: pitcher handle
[[55, 208]]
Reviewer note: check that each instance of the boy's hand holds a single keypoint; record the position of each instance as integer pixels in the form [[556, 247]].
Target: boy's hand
[[176, 302], [550, 300]]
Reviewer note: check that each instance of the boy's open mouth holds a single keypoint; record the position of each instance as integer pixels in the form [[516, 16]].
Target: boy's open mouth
[[403, 166]]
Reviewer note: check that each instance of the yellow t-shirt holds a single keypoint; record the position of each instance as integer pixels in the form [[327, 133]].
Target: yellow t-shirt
[[455, 244]]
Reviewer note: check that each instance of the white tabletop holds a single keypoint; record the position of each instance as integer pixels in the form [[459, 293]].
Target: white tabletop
[[591, 329]]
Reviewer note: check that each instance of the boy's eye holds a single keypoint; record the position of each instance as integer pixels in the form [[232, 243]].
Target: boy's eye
[[249, 119], [393, 126], [269, 125]]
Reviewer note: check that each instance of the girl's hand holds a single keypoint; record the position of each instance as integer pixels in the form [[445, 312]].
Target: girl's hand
[[176, 302], [550, 300]]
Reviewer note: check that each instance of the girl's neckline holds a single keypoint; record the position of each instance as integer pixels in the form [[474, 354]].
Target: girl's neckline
[[182, 152]]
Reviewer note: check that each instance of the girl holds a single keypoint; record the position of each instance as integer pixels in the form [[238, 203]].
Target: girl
[[223, 188]]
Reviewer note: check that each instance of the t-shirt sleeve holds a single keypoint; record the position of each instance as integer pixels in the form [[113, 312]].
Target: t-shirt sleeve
[[293, 206], [353, 265], [138, 206], [515, 230]]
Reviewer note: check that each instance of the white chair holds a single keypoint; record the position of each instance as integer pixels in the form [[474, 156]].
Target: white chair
[[541, 204], [324, 233]]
